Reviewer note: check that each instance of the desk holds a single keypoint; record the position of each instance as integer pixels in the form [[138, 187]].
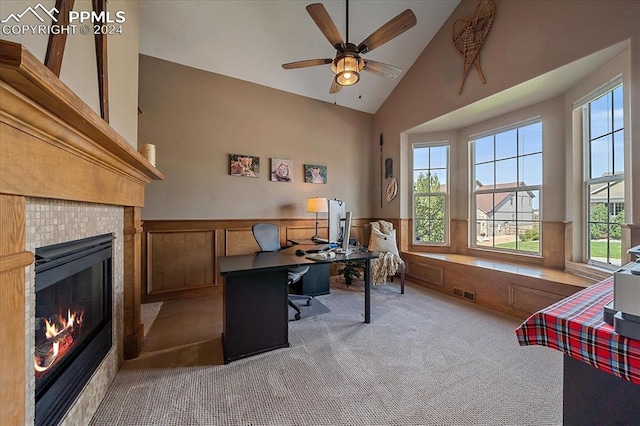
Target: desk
[[255, 310], [601, 382], [364, 256]]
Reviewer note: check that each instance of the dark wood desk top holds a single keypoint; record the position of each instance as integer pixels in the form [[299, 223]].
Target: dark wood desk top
[[255, 261], [282, 259]]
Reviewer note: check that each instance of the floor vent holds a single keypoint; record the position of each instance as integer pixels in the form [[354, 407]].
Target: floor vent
[[464, 294]]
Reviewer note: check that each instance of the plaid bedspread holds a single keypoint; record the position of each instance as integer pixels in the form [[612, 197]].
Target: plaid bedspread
[[576, 327]]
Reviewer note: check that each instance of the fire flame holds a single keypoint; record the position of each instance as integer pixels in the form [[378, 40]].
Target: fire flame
[[53, 330]]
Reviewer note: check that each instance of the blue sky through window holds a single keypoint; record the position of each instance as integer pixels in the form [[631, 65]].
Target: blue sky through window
[[431, 159], [606, 126]]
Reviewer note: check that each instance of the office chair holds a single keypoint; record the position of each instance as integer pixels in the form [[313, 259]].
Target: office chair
[[268, 238]]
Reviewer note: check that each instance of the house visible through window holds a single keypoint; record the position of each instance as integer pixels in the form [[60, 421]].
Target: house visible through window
[[507, 176], [603, 118], [430, 195]]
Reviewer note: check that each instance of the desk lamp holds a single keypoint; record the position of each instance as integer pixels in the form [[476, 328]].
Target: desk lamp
[[317, 205]]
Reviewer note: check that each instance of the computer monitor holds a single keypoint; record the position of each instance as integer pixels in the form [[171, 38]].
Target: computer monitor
[[347, 233], [335, 218]]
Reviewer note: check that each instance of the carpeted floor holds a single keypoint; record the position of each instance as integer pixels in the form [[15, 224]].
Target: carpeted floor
[[425, 359]]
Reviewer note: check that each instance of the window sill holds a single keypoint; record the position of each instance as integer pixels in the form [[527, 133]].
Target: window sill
[[430, 248], [535, 259], [589, 271], [503, 265]]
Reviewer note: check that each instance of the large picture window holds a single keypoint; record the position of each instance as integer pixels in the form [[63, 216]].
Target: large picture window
[[603, 118], [430, 195], [507, 188]]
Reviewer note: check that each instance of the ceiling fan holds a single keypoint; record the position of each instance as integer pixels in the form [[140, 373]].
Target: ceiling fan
[[348, 63]]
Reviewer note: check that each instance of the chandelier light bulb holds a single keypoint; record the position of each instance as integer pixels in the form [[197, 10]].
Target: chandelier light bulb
[[347, 68]]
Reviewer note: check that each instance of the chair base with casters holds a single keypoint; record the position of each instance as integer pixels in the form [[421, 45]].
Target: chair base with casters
[[293, 297]]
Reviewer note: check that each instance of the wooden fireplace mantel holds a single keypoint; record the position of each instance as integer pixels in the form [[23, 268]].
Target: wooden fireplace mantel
[[53, 145]]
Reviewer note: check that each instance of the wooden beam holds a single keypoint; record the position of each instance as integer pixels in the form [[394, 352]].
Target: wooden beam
[[102, 64], [55, 46], [133, 327]]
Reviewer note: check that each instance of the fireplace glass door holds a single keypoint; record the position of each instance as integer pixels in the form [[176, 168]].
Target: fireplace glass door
[[72, 320]]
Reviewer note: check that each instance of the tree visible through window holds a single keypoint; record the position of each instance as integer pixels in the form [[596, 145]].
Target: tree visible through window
[[430, 212], [604, 176], [507, 185]]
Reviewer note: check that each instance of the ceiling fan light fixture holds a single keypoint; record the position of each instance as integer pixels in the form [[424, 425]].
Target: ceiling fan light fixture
[[347, 69]]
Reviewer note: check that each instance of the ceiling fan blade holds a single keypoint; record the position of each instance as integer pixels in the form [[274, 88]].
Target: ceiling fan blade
[[383, 70], [325, 23], [335, 87], [306, 63], [388, 31]]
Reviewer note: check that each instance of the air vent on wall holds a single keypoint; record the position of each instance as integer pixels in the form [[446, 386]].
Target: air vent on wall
[[469, 295]]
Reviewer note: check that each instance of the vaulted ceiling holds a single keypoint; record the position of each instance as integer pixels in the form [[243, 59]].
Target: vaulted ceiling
[[250, 40]]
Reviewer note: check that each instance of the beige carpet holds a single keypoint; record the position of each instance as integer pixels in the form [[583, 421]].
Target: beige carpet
[[426, 359]]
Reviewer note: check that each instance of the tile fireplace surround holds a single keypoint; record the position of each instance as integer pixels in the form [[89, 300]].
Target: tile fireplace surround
[[65, 174], [49, 222]]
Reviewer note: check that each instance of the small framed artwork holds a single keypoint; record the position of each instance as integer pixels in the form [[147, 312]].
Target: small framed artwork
[[314, 173], [281, 170], [244, 165]]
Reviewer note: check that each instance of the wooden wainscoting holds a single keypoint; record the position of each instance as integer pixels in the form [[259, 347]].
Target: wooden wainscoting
[[178, 259], [517, 285], [180, 256], [515, 289]]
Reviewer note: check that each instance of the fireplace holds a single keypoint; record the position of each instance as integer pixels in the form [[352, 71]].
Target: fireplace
[[73, 320], [71, 176]]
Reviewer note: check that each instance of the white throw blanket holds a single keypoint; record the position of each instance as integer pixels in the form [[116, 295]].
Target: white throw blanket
[[385, 265]]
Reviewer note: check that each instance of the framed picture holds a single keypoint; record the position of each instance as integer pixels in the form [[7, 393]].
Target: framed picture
[[281, 170], [314, 173], [244, 165]]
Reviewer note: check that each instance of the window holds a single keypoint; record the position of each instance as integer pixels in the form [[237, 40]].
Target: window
[[430, 195], [507, 188], [603, 118]]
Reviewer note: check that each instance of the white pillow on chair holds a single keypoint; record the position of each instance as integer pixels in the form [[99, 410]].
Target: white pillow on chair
[[383, 242]]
